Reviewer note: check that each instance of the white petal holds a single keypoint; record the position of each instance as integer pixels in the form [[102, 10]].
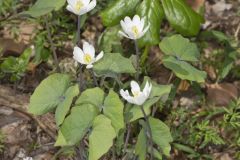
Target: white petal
[[136, 20], [125, 35], [135, 88], [70, 8], [86, 2], [99, 56], [91, 5], [142, 24], [127, 20], [139, 100], [72, 2], [124, 26], [88, 49], [83, 10], [89, 66], [147, 89], [78, 55], [144, 31]]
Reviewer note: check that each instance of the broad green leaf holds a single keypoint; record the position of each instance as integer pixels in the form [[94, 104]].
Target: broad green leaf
[[49, 93], [113, 109], [136, 112], [180, 47], [101, 138], [161, 135], [76, 124], [182, 17], [112, 64], [214, 35], [153, 14], [94, 96], [109, 42], [141, 145], [42, 7], [64, 106], [184, 70], [117, 10]]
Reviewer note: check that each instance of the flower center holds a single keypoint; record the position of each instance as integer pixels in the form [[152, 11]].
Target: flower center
[[79, 5], [135, 94], [87, 58], [135, 31]]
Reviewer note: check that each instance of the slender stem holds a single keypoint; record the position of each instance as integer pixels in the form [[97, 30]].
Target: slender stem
[[78, 41], [137, 59], [94, 78], [127, 137], [149, 134], [51, 44]]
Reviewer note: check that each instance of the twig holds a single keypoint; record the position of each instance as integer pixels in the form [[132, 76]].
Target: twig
[[137, 59], [51, 44], [150, 138]]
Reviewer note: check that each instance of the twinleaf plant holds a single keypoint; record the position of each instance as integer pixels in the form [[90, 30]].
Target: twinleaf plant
[[98, 117]]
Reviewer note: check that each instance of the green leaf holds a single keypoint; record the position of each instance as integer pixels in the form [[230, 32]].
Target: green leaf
[[184, 70], [109, 42], [141, 145], [49, 93], [112, 64], [63, 107], [180, 48], [76, 124], [113, 109], [182, 17], [94, 96], [153, 14], [161, 135], [42, 7], [101, 138], [117, 10]]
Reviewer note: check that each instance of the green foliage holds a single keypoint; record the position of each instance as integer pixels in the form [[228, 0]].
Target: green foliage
[[113, 109], [141, 145], [178, 50], [2, 137], [76, 124], [101, 138], [49, 94], [117, 10], [182, 17], [109, 42], [152, 12], [43, 7], [204, 134], [16, 66], [161, 135], [113, 64]]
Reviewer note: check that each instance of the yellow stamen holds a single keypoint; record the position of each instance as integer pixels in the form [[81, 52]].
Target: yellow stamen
[[135, 94], [87, 58], [79, 5], [135, 31]]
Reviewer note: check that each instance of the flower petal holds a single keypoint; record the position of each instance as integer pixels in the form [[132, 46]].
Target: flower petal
[[140, 99], [72, 2], [99, 56], [124, 34], [88, 49], [91, 5], [78, 55], [70, 8], [83, 10], [89, 66], [135, 88]]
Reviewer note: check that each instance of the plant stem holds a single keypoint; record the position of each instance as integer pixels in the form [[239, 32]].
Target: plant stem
[[51, 44], [149, 134], [94, 78], [80, 73], [127, 137], [137, 59]]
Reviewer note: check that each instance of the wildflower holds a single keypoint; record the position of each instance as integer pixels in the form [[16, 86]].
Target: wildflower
[[87, 55], [80, 7], [139, 97], [133, 29]]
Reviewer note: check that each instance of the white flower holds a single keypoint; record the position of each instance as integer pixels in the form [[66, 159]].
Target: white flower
[[87, 55], [133, 29], [139, 97], [80, 7]]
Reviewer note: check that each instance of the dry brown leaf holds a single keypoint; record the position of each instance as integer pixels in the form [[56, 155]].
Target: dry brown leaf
[[221, 94]]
